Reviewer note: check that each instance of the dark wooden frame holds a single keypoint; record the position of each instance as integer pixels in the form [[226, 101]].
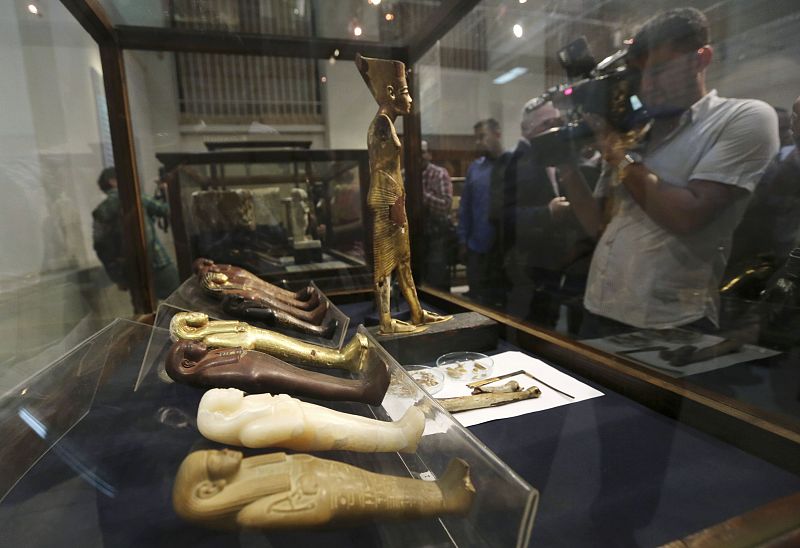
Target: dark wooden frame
[[775, 524], [747, 427], [240, 43], [113, 40], [212, 146], [95, 21]]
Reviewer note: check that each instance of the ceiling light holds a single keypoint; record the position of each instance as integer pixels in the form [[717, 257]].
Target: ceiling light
[[389, 16], [506, 77], [517, 30], [33, 9], [374, 2], [522, 1], [357, 31]]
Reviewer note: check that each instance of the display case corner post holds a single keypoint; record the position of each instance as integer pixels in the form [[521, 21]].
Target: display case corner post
[[412, 159], [183, 252], [92, 16], [133, 230]]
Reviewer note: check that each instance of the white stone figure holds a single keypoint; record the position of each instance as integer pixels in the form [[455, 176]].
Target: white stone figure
[[300, 211], [227, 416]]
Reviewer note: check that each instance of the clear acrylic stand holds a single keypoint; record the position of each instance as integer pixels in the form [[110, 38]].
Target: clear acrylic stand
[[79, 432], [505, 505]]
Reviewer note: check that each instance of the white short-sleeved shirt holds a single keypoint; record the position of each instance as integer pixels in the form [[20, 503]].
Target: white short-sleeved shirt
[[645, 276]]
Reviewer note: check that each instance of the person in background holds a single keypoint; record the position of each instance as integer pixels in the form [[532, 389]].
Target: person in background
[[534, 235], [662, 254], [107, 238], [771, 224], [476, 234], [785, 132], [437, 201]]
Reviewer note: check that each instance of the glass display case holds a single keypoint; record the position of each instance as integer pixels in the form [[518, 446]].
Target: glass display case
[[281, 214], [613, 183]]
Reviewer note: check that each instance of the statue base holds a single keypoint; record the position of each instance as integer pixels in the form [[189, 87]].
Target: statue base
[[468, 331], [307, 251]]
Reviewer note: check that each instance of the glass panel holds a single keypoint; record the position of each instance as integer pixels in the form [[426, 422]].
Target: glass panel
[[35, 415], [55, 142], [678, 262], [266, 160]]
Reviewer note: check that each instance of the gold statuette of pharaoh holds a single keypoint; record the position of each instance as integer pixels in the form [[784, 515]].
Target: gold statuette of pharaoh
[[386, 199]]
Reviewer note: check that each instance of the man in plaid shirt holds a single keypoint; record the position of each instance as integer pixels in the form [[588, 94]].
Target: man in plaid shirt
[[437, 199]]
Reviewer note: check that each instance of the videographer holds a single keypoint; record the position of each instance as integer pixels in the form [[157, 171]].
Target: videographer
[[662, 253], [107, 237]]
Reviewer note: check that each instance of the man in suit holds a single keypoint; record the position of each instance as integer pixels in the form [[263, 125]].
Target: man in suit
[[533, 231], [476, 229], [770, 227]]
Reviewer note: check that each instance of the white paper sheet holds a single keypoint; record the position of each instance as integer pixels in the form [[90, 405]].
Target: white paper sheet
[[508, 362]]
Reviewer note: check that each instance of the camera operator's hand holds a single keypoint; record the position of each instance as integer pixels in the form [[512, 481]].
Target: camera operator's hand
[[559, 208], [611, 144]]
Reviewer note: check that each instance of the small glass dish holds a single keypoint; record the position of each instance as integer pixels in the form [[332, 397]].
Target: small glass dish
[[429, 378], [465, 366]]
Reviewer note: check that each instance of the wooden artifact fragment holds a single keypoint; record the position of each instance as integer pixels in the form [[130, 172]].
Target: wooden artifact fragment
[[481, 401]]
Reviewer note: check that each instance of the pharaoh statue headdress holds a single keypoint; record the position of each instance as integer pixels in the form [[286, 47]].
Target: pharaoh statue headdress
[[378, 73]]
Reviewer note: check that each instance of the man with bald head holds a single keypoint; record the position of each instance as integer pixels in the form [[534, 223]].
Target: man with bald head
[[532, 227]]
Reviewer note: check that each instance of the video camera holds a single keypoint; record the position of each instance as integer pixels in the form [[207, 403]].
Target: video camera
[[608, 89]]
